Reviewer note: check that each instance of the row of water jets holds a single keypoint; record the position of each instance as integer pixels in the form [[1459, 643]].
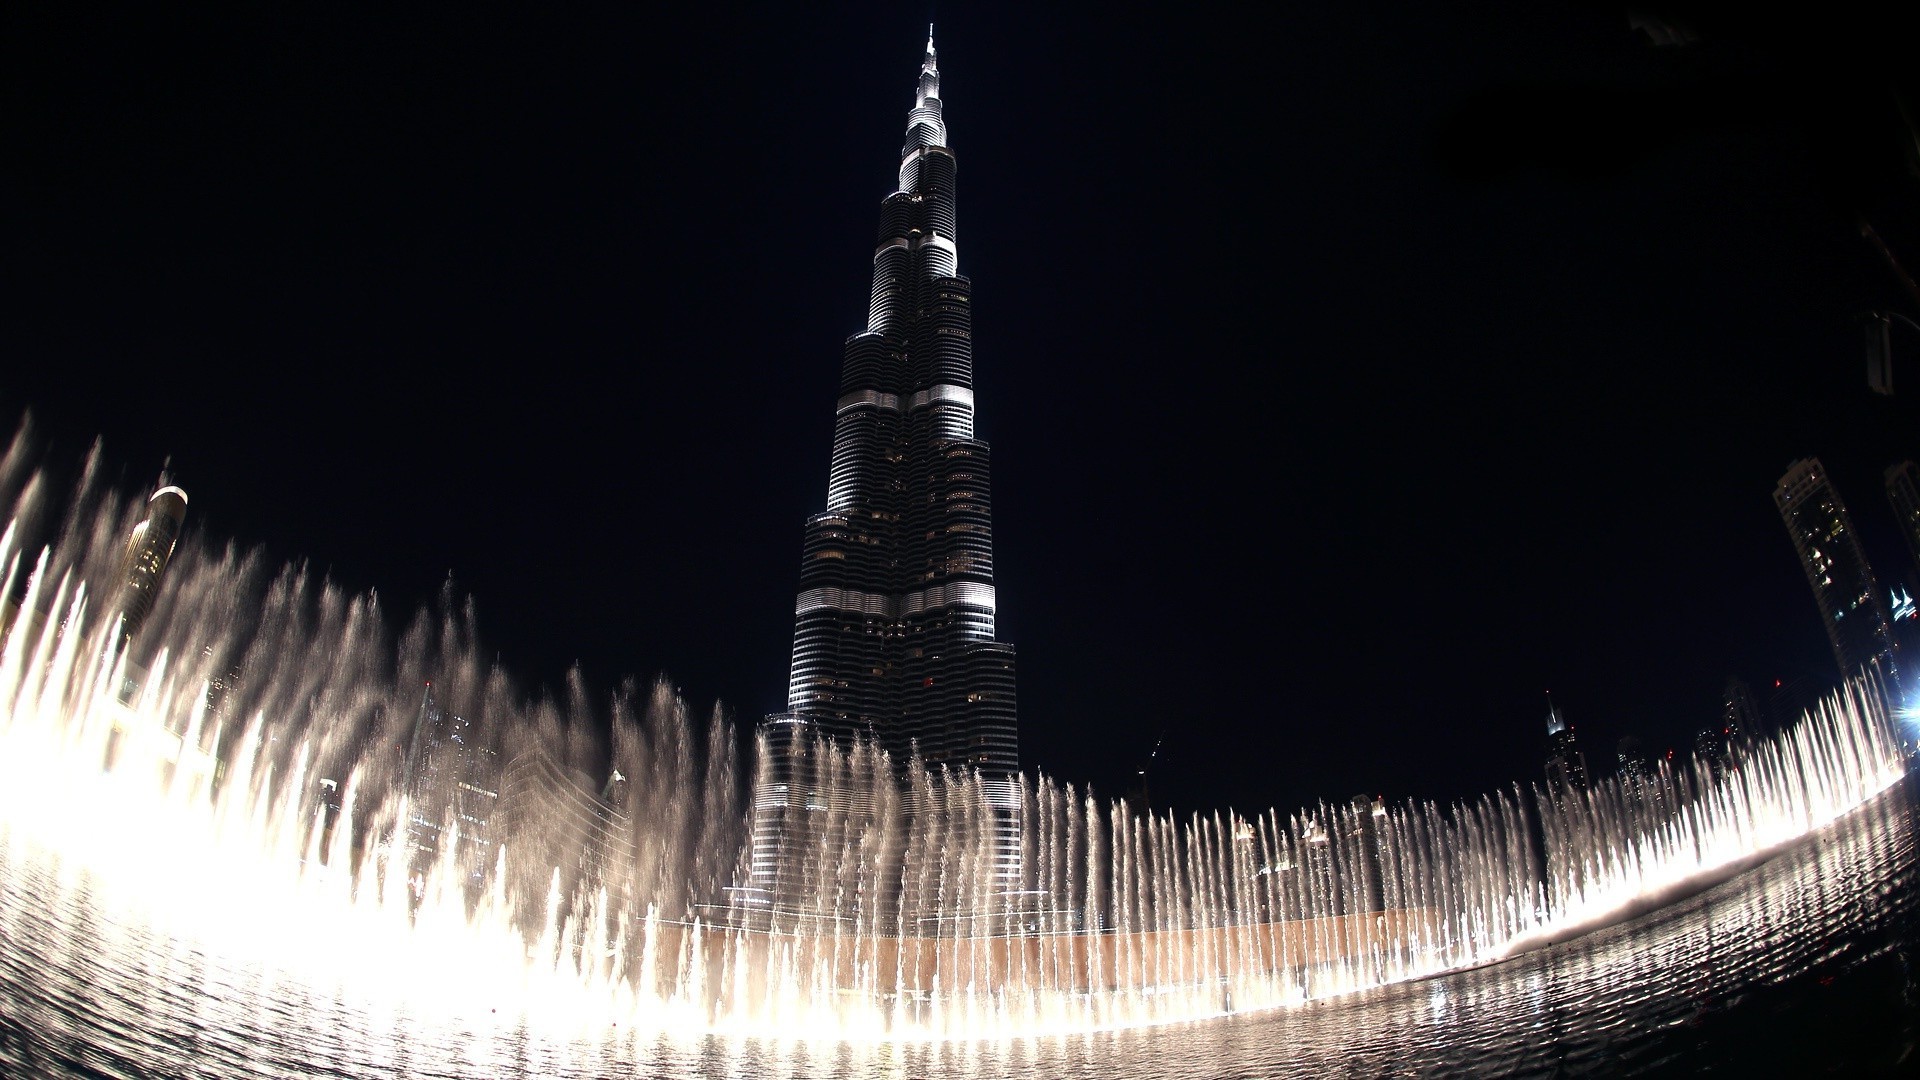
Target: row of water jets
[[240, 775]]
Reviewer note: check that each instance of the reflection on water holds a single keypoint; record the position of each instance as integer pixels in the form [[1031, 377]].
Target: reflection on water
[[1805, 964]]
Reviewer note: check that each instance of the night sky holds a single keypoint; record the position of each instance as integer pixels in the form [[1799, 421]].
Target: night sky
[[1355, 375]]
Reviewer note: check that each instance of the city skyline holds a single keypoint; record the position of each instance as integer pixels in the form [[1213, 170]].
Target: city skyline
[[1331, 452]]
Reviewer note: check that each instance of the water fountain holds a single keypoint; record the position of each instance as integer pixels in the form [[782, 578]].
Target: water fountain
[[235, 778]]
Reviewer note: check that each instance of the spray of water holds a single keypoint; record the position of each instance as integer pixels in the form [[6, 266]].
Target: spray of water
[[247, 771]]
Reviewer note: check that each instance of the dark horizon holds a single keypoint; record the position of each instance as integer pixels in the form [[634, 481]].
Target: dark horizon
[[1349, 387]]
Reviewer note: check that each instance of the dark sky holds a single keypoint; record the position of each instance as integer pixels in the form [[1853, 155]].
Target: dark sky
[[1355, 374]]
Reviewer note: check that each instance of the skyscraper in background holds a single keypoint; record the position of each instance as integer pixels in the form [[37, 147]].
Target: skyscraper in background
[[1903, 492], [579, 826], [451, 780], [132, 590], [1566, 765], [1850, 601], [1740, 716], [149, 549], [894, 622]]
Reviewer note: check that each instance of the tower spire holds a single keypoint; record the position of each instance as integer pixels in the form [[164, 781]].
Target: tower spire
[[924, 127]]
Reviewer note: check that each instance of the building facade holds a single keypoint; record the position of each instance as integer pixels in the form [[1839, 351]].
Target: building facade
[[894, 642], [1851, 603]]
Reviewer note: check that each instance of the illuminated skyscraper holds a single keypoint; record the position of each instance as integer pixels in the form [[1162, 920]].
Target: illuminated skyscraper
[[894, 622], [1850, 602], [145, 562], [1566, 765]]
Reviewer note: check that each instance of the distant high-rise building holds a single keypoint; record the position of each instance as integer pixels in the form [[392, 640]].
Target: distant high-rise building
[[1740, 717], [1903, 492], [452, 785], [1566, 765], [149, 549], [576, 829], [1850, 601], [1710, 748], [1632, 766], [894, 621], [1365, 871], [1646, 782]]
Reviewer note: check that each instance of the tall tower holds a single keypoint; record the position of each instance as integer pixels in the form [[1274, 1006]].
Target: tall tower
[[894, 623], [893, 639], [1851, 604]]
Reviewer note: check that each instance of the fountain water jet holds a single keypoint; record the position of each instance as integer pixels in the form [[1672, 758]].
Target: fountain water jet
[[204, 814]]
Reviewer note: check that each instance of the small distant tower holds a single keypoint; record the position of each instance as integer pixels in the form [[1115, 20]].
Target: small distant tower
[[1851, 603], [1566, 765], [148, 550]]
